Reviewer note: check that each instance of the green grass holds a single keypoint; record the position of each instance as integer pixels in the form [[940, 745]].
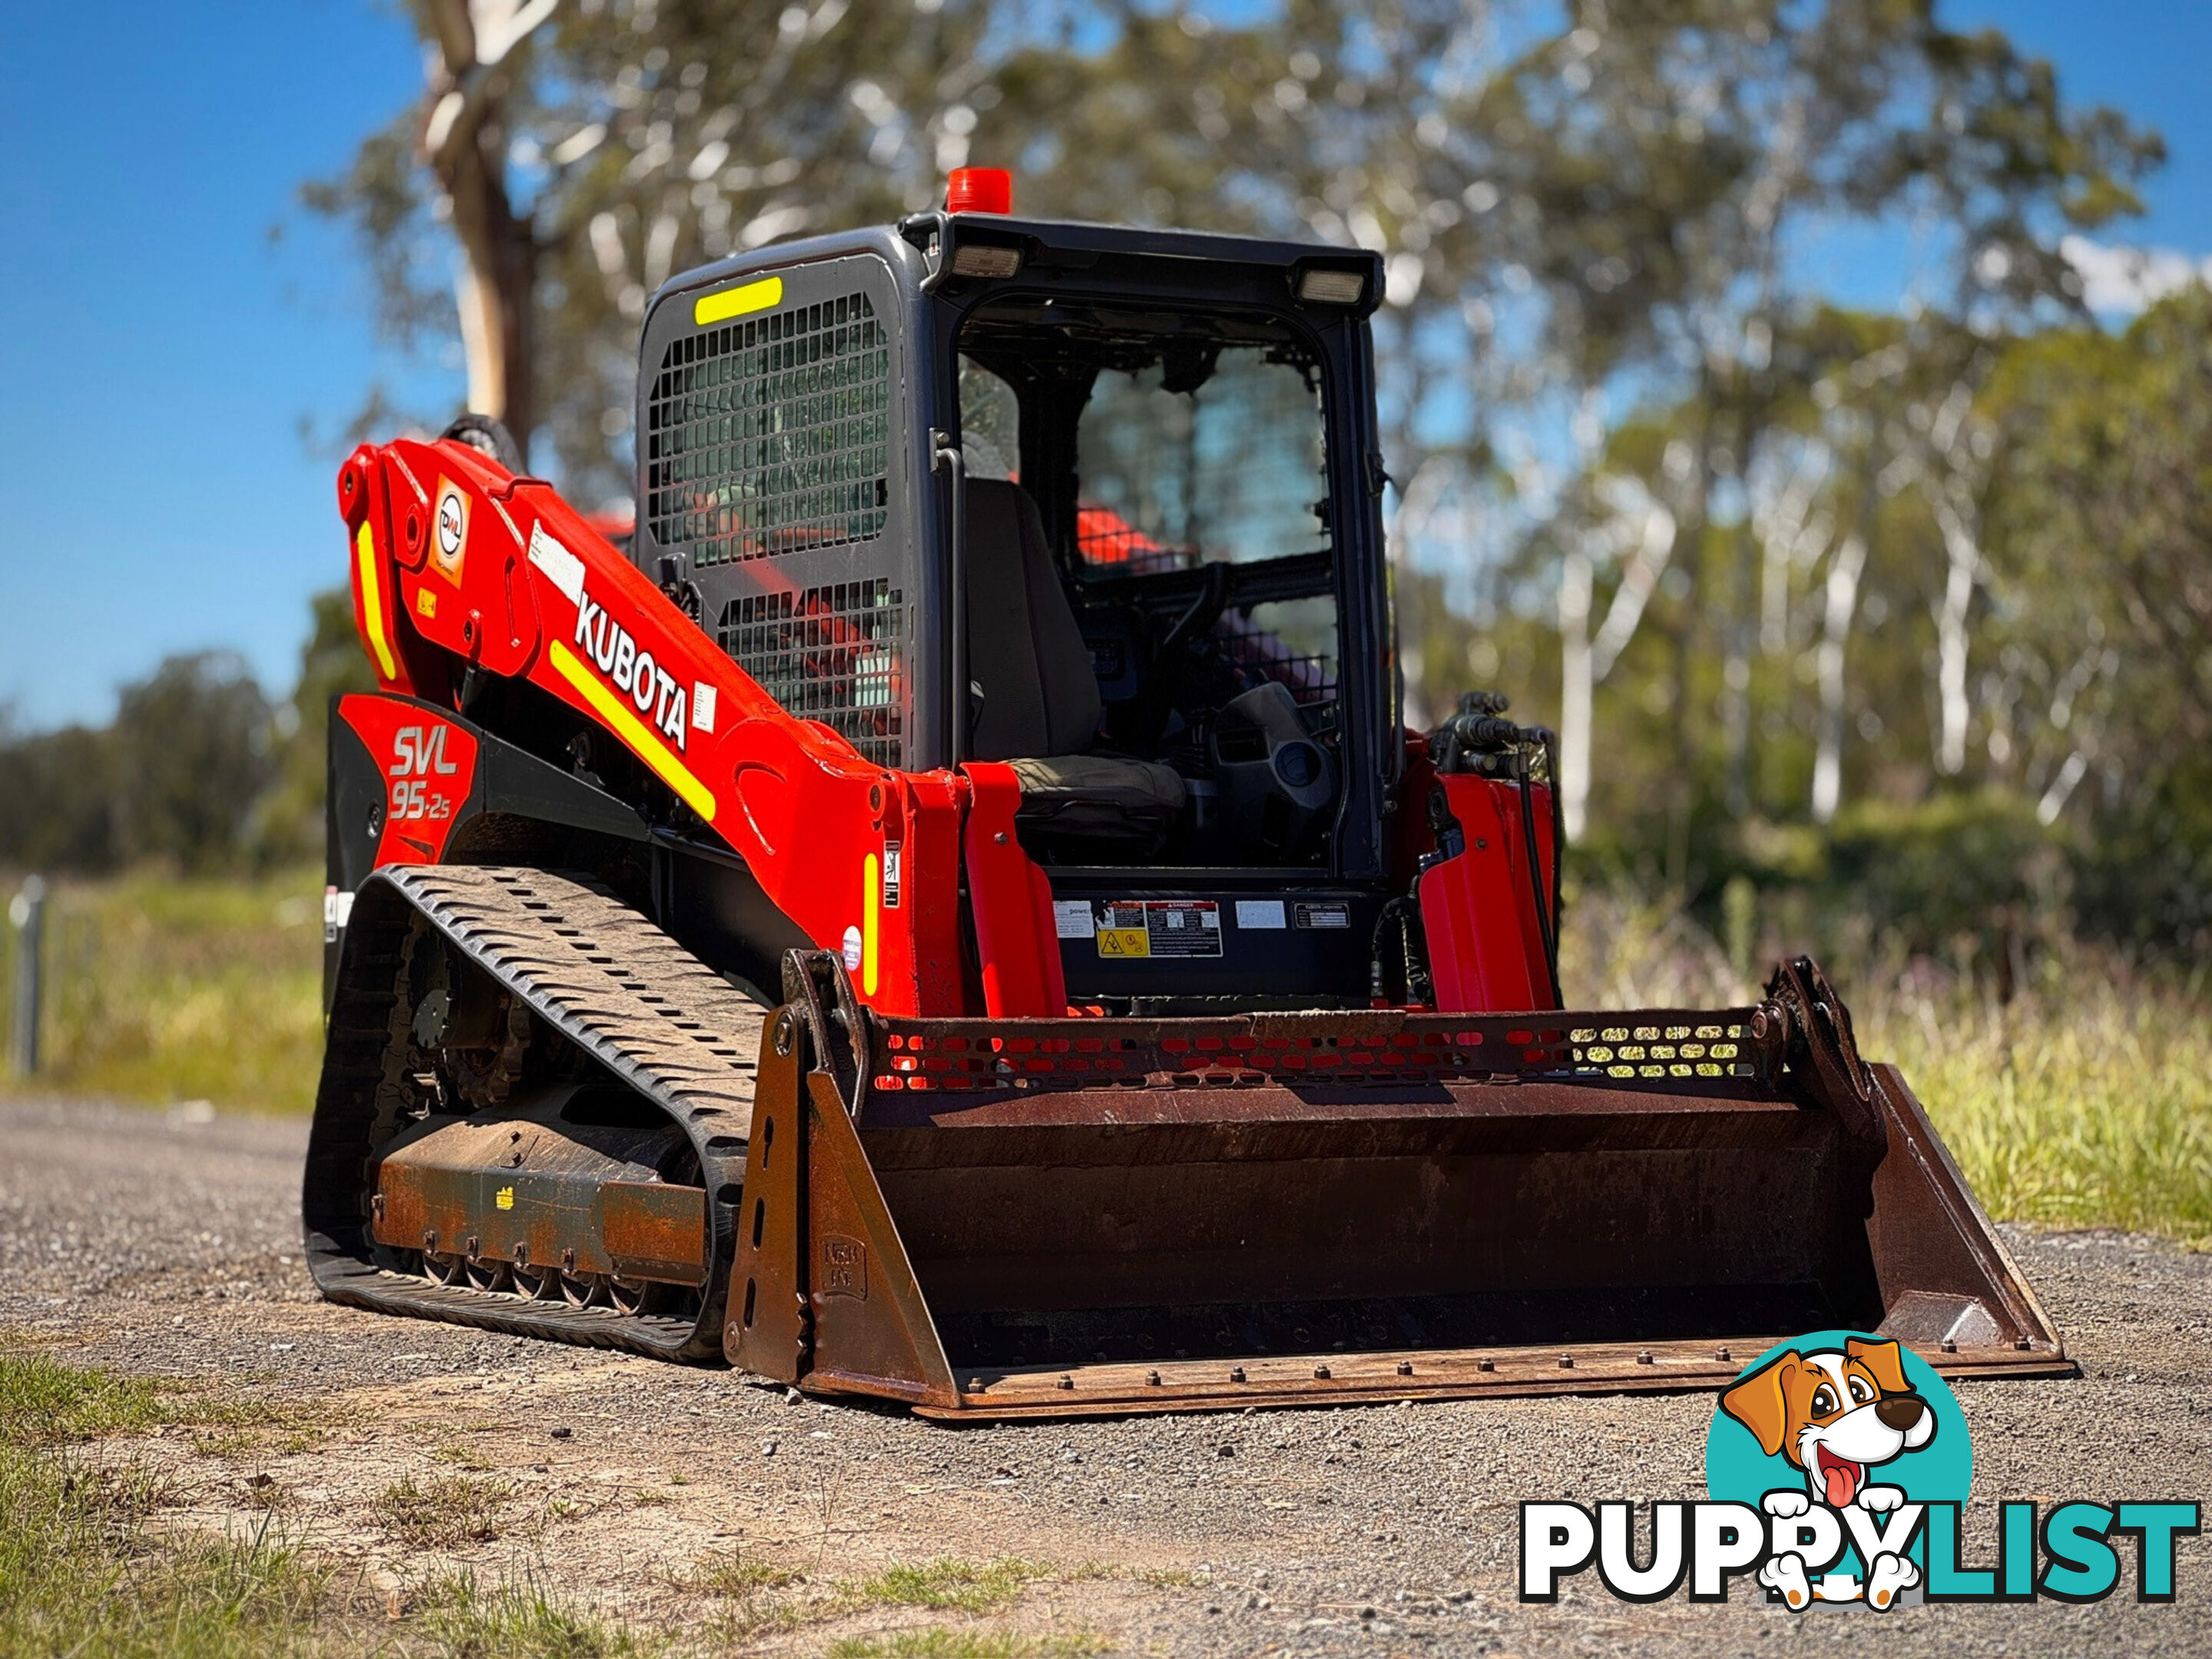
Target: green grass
[[161, 990], [735, 1574], [79, 1574], [448, 1512], [83, 1573], [46, 1403], [947, 1584], [2088, 1109], [515, 1620], [2086, 1101]]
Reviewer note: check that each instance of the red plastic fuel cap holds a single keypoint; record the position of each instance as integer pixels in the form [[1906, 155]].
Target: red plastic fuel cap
[[980, 190]]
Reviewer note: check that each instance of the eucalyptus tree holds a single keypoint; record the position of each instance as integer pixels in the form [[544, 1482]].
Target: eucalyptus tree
[[1614, 214]]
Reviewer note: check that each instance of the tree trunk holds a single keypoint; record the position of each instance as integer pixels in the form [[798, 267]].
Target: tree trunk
[[464, 142], [1964, 559], [1844, 573], [1575, 685]]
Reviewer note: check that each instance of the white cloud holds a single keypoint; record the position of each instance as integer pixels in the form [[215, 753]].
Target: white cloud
[[2130, 279]]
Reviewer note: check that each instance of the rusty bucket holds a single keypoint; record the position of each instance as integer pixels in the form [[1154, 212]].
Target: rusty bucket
[[1027, 1218]]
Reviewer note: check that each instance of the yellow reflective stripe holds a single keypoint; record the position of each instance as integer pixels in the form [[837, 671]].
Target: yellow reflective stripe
[[872, 911], [737, 301], [372, 603], [617, 714]]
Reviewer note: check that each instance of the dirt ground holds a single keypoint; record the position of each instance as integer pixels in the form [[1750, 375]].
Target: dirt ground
[[157, 1244]]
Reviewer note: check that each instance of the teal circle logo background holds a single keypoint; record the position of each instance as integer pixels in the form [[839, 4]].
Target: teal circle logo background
[[1737, 1470]]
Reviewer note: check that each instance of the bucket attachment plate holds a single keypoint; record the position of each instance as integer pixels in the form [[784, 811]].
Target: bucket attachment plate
[[1045, 1216]]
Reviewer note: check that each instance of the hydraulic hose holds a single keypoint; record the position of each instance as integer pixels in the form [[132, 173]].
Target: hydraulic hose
[[1544, 899]]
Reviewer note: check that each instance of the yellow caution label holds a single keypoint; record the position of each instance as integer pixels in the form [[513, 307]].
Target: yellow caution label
[[504, 1198], [871, 913], [372, 603], [1124, 942], [617, 713], [740, 302], [426, 602]]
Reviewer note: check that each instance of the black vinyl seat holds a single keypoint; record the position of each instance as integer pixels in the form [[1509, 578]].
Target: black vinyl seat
[[1041, 708]]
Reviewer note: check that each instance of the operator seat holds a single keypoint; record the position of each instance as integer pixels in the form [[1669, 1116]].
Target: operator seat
[[1041, 706]]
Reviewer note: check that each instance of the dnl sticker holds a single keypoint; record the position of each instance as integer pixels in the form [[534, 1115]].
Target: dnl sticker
[[451, 542], [630, 669]]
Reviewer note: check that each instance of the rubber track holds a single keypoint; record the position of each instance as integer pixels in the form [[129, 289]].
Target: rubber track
[[603, 975]]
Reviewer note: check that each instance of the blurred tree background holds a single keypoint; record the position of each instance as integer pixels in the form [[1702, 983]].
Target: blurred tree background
[[1856, 628]]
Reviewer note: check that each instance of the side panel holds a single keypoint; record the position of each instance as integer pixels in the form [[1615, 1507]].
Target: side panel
[[427, 765], [1479, 909]]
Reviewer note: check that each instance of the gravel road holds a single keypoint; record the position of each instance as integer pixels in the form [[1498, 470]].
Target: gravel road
[[168, 1246]]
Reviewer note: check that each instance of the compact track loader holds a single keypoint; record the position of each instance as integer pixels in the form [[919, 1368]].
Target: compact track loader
[[949, 911]]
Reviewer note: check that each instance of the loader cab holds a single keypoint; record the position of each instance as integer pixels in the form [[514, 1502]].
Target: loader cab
[[1099, 504], [1171, 466]]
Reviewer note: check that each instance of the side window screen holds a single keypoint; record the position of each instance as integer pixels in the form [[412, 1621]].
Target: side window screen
[[990, 424], [771, 435]]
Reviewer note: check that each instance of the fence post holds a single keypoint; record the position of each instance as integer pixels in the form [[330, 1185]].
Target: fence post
[[28, 910]]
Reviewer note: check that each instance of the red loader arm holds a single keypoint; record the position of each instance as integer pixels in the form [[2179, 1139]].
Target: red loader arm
[[458, 565]]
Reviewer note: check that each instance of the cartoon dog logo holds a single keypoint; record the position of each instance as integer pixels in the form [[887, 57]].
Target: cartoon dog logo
[[1836, 1414]]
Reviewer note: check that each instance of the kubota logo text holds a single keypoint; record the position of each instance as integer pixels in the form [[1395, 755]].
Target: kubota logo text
[[630, 669]]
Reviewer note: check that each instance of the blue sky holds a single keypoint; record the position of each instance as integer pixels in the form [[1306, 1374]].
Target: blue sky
[[159, 351]]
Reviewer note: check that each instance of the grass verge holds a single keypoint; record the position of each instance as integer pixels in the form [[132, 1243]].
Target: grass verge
[[84, 1571], [516, 1620], [2090, 1110], [2083, 1099], [44, 1402], [161, 990]]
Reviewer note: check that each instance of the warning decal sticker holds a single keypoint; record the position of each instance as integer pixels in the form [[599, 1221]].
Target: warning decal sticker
[[1160, 927]]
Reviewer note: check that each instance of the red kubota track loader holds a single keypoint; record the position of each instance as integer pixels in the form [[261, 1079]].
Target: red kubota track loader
[[951, 911]]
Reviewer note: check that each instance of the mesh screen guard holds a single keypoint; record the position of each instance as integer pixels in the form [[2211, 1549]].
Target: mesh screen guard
[[771, 435]]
